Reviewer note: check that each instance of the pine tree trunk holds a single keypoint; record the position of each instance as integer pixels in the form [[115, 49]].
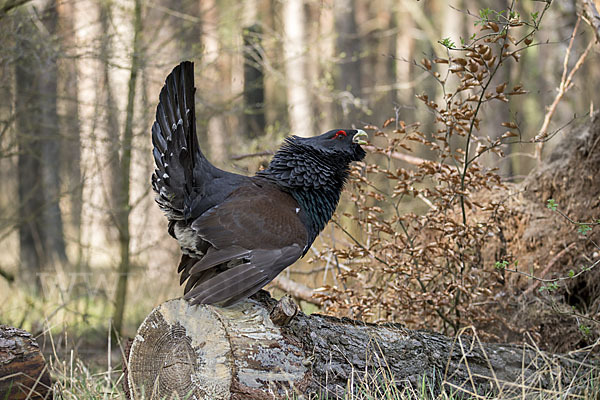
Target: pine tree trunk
[[109, 104], [263, 349], [404, 52]]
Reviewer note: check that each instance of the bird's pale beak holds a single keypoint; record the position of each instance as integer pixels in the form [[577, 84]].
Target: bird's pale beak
[[359, 137]]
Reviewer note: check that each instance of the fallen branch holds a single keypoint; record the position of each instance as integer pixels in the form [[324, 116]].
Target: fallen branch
[[296, 289]]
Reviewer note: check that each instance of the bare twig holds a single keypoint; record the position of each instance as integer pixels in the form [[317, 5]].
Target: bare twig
[[399, 156], [566, 82], [402, 157], [563, 278], [591, 16], [549, 266]]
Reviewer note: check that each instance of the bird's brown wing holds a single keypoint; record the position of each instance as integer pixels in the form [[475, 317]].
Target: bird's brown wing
[[254, 235]]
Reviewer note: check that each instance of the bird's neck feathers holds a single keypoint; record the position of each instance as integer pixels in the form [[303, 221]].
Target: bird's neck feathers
[[314, 178]]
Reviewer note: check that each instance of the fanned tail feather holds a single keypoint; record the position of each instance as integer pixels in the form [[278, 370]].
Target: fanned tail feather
[[176, 150]]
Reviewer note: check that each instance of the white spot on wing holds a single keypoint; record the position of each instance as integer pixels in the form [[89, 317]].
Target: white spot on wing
[[297, 210]]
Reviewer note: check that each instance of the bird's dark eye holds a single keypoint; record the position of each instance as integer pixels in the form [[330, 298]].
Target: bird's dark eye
[[339, 133]]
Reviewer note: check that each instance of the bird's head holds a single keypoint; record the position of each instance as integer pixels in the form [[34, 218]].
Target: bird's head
[[344, 143], [316, 162]]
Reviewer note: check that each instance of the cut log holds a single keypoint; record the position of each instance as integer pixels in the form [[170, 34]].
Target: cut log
[[23, 371], [207, 352]]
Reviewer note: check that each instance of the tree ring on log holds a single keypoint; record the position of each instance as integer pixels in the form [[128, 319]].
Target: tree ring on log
[[167, 357], [208, 352]]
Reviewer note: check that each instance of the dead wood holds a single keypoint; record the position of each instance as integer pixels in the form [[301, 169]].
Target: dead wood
[[239, 353], [23, 371]]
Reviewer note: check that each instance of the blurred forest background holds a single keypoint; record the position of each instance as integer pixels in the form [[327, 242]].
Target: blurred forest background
[[79, 83]]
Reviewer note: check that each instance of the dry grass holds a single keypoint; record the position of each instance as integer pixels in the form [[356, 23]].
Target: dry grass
[[75, 380]]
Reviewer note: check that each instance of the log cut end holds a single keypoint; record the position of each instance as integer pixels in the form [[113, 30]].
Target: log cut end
[[180, 349], [284, 311], [207, 352]]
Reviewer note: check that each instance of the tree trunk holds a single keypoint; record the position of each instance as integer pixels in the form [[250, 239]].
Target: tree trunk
[[71, 143], [348, 50], [405, 49], [298, 96], [31, 199], [262, 349], [111, 118], [188, 30], [41, 229], [216, 71], [23, 371], [254, 87], [53, 224], [123, 206]]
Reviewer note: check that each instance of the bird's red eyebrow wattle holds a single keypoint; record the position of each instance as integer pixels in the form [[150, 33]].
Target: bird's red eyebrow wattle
[[338, 133]]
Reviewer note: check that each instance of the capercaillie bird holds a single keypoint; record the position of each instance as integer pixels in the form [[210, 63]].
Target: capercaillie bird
[[236, 232]]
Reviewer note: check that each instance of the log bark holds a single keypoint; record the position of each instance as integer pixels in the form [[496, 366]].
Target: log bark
[[23, 371], [207, 352]]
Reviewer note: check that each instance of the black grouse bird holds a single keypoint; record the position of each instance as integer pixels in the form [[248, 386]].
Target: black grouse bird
[[237, 233]]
